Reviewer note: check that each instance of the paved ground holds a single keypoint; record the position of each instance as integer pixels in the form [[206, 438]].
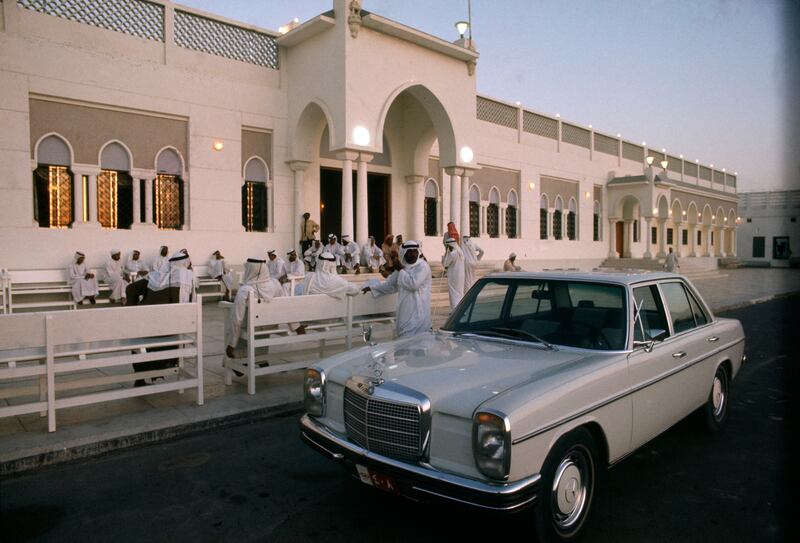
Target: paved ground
[[25, 443], [258, 482]]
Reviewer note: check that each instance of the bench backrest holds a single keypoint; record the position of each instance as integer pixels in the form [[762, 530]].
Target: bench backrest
[[38, 276], [369, 305], [123, 323], [296, 309], [201, 272], [21, 331]]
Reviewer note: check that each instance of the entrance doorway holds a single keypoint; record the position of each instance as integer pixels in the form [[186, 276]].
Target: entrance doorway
[[619, 237], [330, 204]]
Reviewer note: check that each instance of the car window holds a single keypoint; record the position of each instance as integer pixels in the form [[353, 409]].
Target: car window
[[591, 295], [679, 309], [651, 321], [487, 305], [700, 318], [531, 299]]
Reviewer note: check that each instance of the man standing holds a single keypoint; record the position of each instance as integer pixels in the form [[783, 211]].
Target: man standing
[[453, 262], [351, 254], [372, 255], [115, 277], [161, 262], [312, 253], [308, 232], [134, 267], [412, 283], [671, 263], [220, 272], [509, 264], [82, 281], [294, 270], [472, 254]]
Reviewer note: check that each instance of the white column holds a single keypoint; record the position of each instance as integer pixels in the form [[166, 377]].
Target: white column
[[270, 204], [501, 219], [692, 240], [662, 238], [709, 249], [298, 167], [93, 198], [347, 191], [455, 198], [612, 238], [465, 205], [647, 240], [721, 251], [137, 199], [77, 198], [627, 238], [550, 222], [362, 214], [733, 251], [416, 195], [148, 200]]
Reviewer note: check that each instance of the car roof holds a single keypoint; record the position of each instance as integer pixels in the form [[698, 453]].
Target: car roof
[[616, 276]]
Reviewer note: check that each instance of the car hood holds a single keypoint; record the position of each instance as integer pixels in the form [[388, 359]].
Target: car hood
[[456, 373]]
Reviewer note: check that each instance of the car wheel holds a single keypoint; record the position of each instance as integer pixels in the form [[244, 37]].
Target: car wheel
[[716, 409], [568, 484]]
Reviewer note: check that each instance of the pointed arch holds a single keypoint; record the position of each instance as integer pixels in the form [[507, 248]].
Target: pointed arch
[[115, 155], [544, 210], [169, 160], [54, 149]]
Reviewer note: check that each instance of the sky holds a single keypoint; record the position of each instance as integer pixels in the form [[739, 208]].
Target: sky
[[704, 78]]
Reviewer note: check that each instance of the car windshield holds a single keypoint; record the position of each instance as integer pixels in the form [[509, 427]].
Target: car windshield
[[547, 311]]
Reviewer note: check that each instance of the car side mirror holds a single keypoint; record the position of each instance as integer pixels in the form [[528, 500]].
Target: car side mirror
[[648, 345]]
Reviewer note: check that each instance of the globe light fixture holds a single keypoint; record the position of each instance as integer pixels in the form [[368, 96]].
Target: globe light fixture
[[462, 27], [649, 160], [664, 164], [361, 136], [531, 185], [218, 145], [466, 154]]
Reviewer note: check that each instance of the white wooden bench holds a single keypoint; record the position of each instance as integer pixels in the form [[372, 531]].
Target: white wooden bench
[[205, 280], [324, 317], [36, 348], [51, 288], [3, 291]]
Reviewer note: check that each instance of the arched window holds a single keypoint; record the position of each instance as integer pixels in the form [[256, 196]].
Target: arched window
[[53, 184], [474, 212], [596, 222], [115, 188], [511, 215], [557, 213], [254, 196], [168, 200], [493, 214], [543, 206], [431, 195], [571, 219]]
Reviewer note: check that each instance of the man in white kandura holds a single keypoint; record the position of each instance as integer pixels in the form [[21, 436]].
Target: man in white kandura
[[275, 264], [351, 254], [326, 281], [509, 265], [257, 280], [82, 281], [671, 262], [412, 283], [312, 253], [453, 262], [222, 273], [472, 254], [135, 268], [294, 270], [335, 248], [372, 255], [181, 275], [161, 261], [115, 277]]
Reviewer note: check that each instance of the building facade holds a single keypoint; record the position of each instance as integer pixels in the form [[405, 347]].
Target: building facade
[[135, 124], [769, 231]]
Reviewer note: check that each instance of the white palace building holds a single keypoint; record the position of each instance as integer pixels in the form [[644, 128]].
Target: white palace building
[[140, 123]]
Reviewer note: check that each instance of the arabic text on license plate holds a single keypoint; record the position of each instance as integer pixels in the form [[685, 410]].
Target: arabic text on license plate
[[378, 480]]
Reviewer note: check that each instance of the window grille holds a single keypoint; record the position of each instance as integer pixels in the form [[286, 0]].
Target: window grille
[[705, 173], [605, 144], [474, 219], [254, 206], [496, 113], [674, 164], [596, 227], [539, 125], [493, 220], [669, 236], [542, 223], [557, 224], [699, 238], [135, 17], [684, 237], [731, 180], [225, 40], [690, 169], [632, 152], [653, 235], [52, 196], [511, 221], [430, 216], [636, 231], [575, 135], [114, 199], [657, 157], [168, 202], [719, 177], [571, 225]]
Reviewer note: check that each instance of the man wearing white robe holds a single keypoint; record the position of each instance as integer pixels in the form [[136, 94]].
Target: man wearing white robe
[[258, 281], [276, 265], [351, 255], [312, 253], [115, 277], [181, 275], [161, 261], [219, 271], [472, 254], [334, 247], [294, 270], [453, 262], [412, 283], [372, 255], [82, 281], [135, 268], [326, 281]]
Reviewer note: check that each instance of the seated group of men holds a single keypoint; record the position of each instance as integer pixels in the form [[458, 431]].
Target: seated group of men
[[348, 256]]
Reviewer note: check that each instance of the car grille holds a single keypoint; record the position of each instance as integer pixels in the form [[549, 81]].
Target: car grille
[[383, 427]]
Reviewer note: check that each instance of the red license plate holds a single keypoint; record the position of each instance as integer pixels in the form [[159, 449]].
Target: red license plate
[[378, 480]]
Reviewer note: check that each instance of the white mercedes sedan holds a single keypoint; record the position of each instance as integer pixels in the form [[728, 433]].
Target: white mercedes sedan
[[537, 383]]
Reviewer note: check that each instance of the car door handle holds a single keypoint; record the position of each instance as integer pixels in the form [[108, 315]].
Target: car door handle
[[712, 339], [679, 354]]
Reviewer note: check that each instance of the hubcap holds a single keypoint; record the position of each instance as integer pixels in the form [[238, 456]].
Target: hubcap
[[718, 396], [570, 490]]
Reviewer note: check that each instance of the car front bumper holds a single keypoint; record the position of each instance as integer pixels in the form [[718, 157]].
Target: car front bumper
[[420, 481]]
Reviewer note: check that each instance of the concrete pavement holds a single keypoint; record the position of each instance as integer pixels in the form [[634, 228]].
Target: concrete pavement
[[25, 443]]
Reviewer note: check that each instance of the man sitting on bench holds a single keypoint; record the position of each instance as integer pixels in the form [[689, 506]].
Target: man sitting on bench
[[115, 277], [83, 282], [220, 272]]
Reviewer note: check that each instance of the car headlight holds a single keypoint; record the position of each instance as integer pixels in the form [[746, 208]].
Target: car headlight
[[314, 392], [491, 444]]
